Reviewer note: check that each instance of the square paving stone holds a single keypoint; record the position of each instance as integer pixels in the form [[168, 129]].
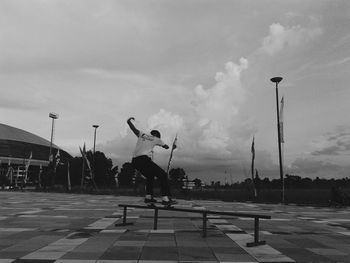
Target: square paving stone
[[302, 255], [159, 253], [220, 242], [327, 251], [33, 261], [161, 237], [339, 259], [235, 258], [74, 261], [82, 255], [122, 253], [195, 253], [165, 243], [228, 250], [279, 243], [185, 243], [44, 255], [306, 243], [134, 236], [13, 254]]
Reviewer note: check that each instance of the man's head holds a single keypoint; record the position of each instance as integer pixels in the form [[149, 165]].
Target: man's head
[[155, 133]]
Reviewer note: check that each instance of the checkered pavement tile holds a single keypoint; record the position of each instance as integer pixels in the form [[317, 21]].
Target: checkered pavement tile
[[48, 227]]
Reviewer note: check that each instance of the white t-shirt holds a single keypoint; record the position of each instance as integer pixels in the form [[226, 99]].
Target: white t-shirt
[[145, 144]]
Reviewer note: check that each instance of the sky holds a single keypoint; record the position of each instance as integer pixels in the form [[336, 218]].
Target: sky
[[200, 69]]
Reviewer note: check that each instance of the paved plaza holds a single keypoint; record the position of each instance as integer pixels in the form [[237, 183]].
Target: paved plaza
[[62, 228]]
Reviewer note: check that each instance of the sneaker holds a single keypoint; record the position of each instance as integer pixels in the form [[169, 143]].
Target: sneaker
[[169, 203], [150, 200]]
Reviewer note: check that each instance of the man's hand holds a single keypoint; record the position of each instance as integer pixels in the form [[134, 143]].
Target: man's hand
[[165, 146]]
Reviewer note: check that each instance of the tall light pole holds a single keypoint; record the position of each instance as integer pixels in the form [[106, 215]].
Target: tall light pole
[[95, 126], [93, 156], [53, 116], [278, 80]]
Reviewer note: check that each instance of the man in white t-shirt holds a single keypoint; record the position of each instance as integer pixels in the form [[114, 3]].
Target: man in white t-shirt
[[142, 161]]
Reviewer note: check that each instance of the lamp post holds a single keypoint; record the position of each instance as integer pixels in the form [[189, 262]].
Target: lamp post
[[278, 80], [95, 126], [53, 116], [93, 156]]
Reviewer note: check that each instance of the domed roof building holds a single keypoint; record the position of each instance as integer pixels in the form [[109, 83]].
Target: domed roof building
[[17, 146]]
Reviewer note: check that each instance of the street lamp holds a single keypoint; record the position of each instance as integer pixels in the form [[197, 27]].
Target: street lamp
[[53, 116], [278, 80], [95, 126], [93, 156]]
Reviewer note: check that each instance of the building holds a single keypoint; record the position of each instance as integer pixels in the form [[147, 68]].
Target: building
[[21, 151]]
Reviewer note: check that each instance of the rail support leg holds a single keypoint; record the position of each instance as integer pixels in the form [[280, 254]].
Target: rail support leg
[[124, 218], [155, 222], [204, 230], [256, 242]]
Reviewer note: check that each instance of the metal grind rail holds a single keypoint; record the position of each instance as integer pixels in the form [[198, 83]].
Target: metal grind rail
[[204, 213]]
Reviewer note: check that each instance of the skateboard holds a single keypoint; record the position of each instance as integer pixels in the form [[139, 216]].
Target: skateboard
[[154, 204]]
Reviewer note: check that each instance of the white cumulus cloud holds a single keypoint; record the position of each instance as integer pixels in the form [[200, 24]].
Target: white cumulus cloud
[[205, 130], [280, 37], [221, 102]]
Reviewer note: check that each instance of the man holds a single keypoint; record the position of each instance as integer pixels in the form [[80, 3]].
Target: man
[[142, 162]]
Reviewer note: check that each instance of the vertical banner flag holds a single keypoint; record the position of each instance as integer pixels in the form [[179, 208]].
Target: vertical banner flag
[[28, 161], [83, 168], [57, 159], [281, 120], [68, 177], [86, 160], [252, 167], [27, 165], [173, 147]]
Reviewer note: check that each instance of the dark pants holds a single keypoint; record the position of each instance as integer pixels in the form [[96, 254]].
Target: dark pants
[[149, 169]]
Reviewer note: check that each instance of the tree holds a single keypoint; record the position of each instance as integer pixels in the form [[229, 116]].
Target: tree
[[75, 171], [197, 183], [104, 175], [103, 171], [177, 175], [4, 181], [126, 175]]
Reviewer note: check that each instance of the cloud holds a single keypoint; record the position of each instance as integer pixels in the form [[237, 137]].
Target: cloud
[[18, 97], [209, 133], [337, 62], [216, 108], [221, 102], [311, 167], [333, 144], [329, 157], [281, 37]]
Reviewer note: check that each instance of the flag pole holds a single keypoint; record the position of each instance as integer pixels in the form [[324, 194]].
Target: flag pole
[[277, 80], [171, 154], [68, 177], [252, 166], [82, 171], [281, 129]]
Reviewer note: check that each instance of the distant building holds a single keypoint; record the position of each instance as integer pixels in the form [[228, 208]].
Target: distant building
[[17, 147]]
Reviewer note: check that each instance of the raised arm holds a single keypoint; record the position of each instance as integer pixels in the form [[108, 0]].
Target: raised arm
[[132, 127]]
